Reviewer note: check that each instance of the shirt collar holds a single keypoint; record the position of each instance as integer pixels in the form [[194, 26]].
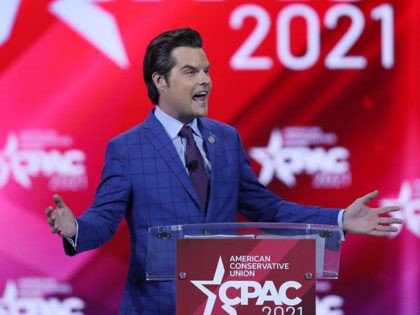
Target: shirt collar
[[173, 126]]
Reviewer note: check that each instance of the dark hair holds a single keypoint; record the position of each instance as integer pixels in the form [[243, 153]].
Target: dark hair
[[158, 57]]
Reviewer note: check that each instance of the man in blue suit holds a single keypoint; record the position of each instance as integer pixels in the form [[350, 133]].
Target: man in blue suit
[[146, 176]]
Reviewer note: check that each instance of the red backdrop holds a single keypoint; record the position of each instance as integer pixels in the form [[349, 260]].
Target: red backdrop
[[324, 93]]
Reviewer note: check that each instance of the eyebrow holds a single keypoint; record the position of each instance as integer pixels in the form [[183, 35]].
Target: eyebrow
[[194, 68]]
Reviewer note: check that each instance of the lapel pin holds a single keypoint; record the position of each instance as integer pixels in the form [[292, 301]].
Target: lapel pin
[[212, 139]]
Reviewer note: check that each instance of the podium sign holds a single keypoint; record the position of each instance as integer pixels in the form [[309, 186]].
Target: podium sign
[[245, 276]]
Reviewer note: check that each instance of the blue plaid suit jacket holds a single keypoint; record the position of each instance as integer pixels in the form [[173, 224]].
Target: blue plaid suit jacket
[[145, 181]]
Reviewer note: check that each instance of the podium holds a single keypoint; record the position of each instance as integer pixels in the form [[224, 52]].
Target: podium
[[244, 268]]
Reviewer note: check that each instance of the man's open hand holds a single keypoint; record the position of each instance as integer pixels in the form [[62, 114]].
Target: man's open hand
[[61, 219], [358, 218]]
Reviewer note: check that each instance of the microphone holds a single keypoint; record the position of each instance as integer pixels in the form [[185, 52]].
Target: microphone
[[192, 165]]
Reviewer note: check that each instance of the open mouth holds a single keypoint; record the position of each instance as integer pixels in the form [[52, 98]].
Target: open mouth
[[200, 96]]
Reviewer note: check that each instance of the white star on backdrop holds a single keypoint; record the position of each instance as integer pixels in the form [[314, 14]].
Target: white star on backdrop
[[217, 280], [410, 208]]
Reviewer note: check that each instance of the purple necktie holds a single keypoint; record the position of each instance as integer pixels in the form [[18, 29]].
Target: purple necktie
[[195, 165]]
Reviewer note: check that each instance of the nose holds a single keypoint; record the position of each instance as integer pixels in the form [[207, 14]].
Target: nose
[[204, 78]]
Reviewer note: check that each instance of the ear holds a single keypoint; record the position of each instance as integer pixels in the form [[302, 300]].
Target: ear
[[159, 81]]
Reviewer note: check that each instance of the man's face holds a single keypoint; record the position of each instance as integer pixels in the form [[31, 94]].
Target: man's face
[[185, 94]]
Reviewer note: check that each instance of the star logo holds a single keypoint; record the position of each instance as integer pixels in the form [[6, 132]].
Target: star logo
[[289, 154], [85, 17], [217, 280], [94, 24], [8, 13], [271, 161], [410, 208]]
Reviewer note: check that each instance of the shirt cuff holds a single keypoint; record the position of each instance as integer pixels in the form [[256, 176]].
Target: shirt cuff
[[73, 240], [340, 224]]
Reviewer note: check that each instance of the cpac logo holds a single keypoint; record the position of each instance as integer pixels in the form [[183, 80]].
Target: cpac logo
[[22, 164], [409, 201], [244, 291], [329, 304], [11, 303], [85, 17], [289, 155]]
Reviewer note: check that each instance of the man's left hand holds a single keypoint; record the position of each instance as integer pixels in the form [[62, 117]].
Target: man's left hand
[[358, 218]]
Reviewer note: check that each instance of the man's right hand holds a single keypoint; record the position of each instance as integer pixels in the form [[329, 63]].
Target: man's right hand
[[61, 219]]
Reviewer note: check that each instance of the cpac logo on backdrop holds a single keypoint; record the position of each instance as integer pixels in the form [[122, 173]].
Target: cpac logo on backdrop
[[33, 153], [293, 151], [328, 303], [27, 296], [246, 292], [409, 201]]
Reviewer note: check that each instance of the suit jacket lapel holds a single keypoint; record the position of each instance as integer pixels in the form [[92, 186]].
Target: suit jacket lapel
[[164, 146], [210, 141]]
